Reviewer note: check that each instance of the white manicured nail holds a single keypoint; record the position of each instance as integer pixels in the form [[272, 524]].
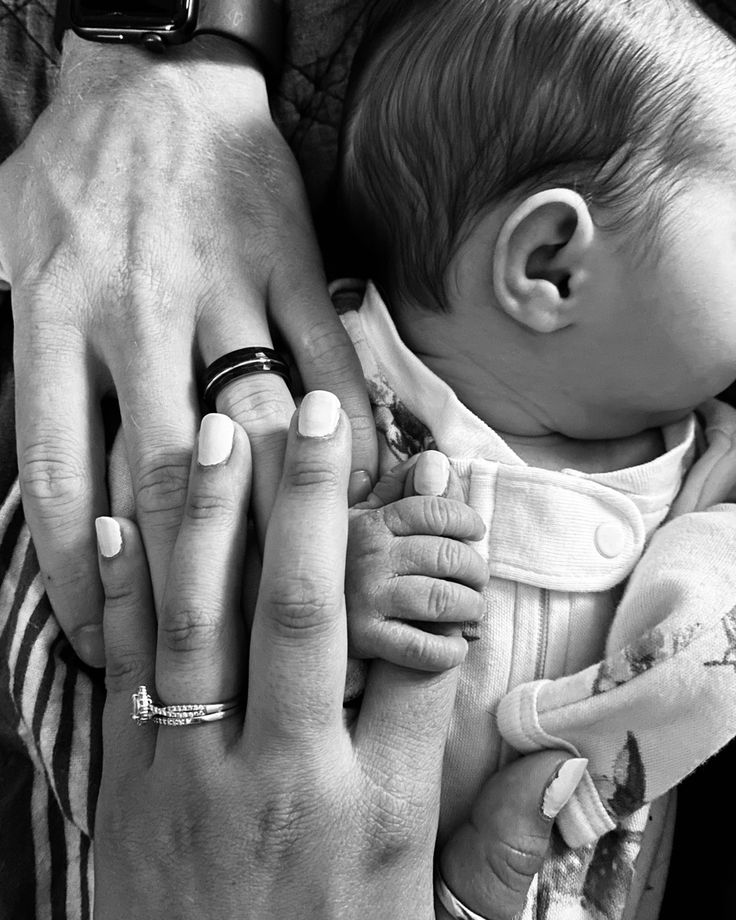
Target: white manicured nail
[[109, 536], [563, 784], [319, 414], [215, 439], [431, 473]]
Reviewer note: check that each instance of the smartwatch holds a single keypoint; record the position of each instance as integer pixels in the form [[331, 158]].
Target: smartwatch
[[157, 23]]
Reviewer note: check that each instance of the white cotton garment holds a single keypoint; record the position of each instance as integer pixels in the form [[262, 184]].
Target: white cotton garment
[[610, 623]]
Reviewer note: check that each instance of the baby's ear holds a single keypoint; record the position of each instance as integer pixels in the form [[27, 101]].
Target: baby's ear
[[540, 259]]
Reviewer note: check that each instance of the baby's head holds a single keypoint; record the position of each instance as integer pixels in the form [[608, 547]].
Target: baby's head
[[550, 184]]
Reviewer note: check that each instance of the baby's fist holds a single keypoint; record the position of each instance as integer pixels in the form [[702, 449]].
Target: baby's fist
[[412, 581]]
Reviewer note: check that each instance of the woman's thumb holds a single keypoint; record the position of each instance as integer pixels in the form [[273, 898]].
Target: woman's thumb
[[487, 866]]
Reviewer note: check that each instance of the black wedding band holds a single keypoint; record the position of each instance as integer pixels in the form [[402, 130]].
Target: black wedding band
[[241, 363]]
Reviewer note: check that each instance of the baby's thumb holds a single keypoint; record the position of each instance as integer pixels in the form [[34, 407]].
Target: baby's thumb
[[432, 474], [486, 867], [428, 473]]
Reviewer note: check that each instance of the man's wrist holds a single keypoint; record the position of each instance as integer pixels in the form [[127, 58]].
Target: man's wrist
[[209, 81], [78, 51], [88, 65]]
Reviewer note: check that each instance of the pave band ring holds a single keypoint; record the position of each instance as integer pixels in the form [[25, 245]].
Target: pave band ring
[[241, 363], [145, 710], [453, 905]]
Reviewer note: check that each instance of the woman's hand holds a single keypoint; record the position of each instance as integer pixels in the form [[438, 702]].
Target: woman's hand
[[288, 813], [146, 223], [490, 861]]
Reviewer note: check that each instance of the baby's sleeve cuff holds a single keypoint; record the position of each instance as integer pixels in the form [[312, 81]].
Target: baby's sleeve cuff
[[584, 818]]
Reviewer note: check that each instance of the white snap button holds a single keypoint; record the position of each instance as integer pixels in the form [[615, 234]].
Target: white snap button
[[610, 539]]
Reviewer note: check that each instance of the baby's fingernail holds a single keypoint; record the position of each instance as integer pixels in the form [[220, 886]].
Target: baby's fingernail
[[562, 785], [109, 536], [90, 646], [431, 473], [359, 487], [215, 439], [319, 414]]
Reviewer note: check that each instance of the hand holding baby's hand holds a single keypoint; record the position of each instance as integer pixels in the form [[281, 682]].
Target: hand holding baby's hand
[[412, 581]]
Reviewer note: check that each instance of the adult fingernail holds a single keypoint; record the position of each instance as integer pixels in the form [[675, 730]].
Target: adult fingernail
[[359, 486], [319, 414], [215, 439], [562, 785], [109, 536], [90, 646], [431, 473]]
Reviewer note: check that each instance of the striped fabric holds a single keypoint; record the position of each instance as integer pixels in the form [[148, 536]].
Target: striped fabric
[[53, 709]]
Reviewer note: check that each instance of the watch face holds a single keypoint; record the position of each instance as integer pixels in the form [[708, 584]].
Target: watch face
[[130, 14]]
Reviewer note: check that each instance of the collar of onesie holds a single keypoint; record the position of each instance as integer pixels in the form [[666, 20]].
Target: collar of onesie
[[562, 530]]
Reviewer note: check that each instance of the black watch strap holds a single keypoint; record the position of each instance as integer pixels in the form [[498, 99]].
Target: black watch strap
[[257, 24]]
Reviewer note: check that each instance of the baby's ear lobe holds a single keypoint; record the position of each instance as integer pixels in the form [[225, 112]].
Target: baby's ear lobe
[[539, 254]]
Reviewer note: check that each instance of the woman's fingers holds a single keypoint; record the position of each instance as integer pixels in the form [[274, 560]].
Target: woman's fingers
[[298, 644], [130, 639], [488, 863], [401, 731], [200, 628], [261, 403]]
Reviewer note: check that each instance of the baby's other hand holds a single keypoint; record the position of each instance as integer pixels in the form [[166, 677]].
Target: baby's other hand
[[412, 581]]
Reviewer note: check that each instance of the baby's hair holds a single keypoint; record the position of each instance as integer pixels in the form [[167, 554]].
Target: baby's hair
[[455, 104]]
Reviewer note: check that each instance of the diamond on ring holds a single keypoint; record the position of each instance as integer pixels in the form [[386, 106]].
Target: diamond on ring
[[144, 710], [142, 706]]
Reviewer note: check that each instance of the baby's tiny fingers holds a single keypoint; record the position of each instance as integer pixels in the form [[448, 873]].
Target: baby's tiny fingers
[[410, 647], [432, 474], [427, 474], [433, 516], [439, 557], [391, 486], [432, 600]]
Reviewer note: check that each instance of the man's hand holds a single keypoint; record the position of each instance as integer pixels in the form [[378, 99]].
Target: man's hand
[[147, 225]]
